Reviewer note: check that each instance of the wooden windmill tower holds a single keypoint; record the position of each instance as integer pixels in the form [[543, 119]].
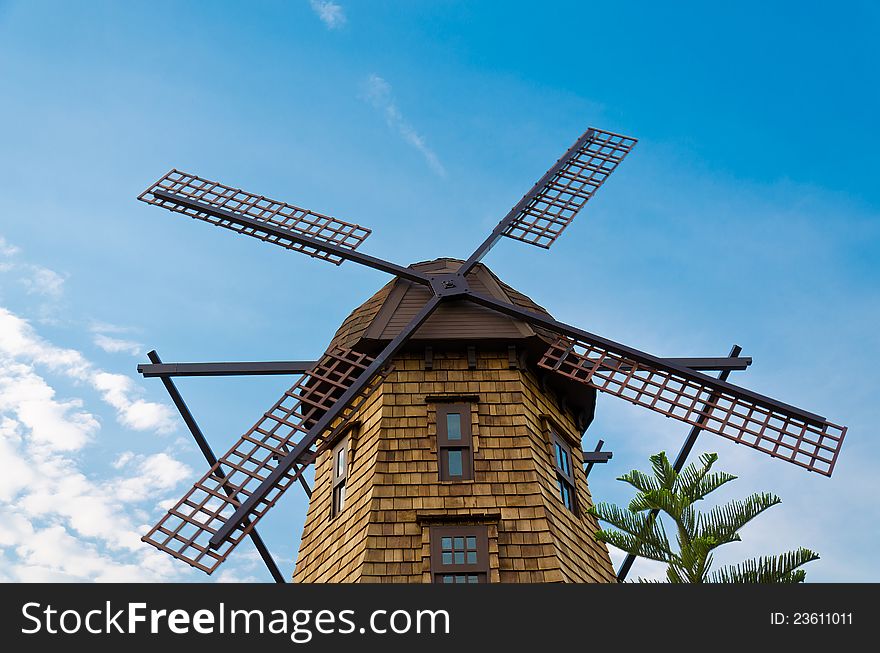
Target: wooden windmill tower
[[465, 464], [445, 418]]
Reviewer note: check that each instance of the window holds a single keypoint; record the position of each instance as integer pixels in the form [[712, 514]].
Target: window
[[454, 442], [460, 554], [340, 474], [564, 473]]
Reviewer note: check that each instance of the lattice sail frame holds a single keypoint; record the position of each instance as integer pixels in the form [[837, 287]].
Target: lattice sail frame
[[184, 532], [812, 446], [280, 215], [550, 207]]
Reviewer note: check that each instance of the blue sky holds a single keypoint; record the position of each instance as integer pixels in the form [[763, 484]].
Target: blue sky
[[748, 213]]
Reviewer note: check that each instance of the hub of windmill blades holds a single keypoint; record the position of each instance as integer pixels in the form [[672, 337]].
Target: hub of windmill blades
[[449, 285], [220, 510]]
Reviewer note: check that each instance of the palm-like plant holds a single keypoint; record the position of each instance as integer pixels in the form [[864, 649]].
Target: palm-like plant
[[698, 533]]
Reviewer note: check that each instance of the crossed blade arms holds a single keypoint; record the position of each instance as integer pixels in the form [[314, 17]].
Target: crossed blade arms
[[221, 509]]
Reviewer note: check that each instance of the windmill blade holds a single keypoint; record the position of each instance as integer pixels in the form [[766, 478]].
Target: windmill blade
[[726, 410], [185, 531], [779, 429], [541, 216], [543, 213], [266, 219]]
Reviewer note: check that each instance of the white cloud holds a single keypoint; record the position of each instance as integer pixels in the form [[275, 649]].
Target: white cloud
[[59, 523], [330, 13], [123, 459], [19, 342], [117, 390], [60, 424], [117, 345], [72, 506], [156, 473], [378, 92], [36, 279], [42, 281], [233, 576]]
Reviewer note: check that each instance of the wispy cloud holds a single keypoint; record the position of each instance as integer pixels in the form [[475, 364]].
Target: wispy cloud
[[42, 281], [6, 249], [117, 345], [378, 92], [330, 13], [106, 327]]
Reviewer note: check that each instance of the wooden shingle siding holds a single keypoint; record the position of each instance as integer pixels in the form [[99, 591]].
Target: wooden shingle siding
[[395, 495], [332, 550]]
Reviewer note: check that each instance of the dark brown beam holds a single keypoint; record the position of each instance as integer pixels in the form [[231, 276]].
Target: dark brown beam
[[678, 465], [596, 456], [257, 368], [208, 453], [713, 364], [225, 369]]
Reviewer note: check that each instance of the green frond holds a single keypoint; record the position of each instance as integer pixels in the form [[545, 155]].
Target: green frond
[[663, 471], [674, 573], [710, 483], [663, 499], [689, 519], [771, 569], [690, 476], [639, 525], [640, 481], [641, 502], [721, 523], [696, 482], [634, 545], [641, 532], [696, 559]]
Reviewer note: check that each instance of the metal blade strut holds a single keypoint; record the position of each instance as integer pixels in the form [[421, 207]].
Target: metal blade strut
[[257, 368], [185, 530]]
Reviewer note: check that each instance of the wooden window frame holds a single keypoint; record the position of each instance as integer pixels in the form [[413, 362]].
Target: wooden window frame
[[563, 477], [480, 568], [339, 480], [465, 444]]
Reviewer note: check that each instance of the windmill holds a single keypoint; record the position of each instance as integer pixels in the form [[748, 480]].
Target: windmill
[[308, 421]]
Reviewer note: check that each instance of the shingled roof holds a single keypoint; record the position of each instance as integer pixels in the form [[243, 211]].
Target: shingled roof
[[384, 314]]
